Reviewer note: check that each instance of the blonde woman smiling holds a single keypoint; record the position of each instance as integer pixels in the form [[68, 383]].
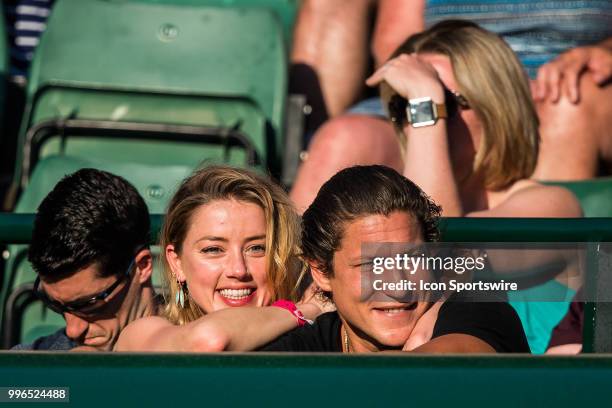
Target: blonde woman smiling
[[230, 251]]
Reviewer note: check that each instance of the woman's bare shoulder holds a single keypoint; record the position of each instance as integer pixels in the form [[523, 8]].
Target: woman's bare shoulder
[[541, 200], [529, 198]]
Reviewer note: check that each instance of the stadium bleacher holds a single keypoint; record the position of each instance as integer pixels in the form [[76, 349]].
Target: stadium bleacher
[[155, 64]]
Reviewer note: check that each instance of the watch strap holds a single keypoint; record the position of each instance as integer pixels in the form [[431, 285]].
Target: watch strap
[[441, 111]]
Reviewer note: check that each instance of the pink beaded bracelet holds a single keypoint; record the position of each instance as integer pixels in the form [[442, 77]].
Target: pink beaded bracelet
[[290, 306]]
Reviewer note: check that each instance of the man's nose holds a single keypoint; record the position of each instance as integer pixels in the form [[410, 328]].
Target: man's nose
[[76, 327]]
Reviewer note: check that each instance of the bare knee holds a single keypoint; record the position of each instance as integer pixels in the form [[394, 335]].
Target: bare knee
[[587, 120], [335, 136], [357, 139], [343, 142], [596, 113], [574, 136], [329, 152]]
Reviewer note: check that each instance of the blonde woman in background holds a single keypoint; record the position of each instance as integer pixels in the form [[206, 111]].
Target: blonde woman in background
[[476, 157], [230, 250]]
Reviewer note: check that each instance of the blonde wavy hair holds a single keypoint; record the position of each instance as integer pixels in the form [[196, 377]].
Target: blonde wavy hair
[[492, 80], [224, 183]]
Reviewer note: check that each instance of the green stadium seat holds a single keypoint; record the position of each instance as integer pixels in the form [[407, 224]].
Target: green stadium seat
[[285, 10], [102, 65], [53, 168]]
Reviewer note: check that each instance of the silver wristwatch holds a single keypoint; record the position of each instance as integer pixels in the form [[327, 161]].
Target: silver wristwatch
[[424, 112]]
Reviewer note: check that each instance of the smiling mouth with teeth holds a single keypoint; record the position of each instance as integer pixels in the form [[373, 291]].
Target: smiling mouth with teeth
[[236, 294], [398, 309]]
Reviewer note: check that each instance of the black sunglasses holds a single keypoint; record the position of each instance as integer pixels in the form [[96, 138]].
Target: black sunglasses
[[85, 307], [398, 104]]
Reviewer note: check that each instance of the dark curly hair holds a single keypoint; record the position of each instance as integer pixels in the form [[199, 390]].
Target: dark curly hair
[[90, 217], [357, 192]]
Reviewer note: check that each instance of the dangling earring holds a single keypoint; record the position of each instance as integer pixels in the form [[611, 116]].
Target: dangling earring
[[179, 299]]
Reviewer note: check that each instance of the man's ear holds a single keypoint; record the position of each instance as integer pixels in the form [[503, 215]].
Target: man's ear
[[320, 277], [172, 257], [144, 265]]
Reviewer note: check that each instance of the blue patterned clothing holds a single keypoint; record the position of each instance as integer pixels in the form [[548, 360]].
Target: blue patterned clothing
[[57, 341], [537, 30]]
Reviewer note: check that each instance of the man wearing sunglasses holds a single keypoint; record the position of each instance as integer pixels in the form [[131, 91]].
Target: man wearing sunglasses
[[90, 250]]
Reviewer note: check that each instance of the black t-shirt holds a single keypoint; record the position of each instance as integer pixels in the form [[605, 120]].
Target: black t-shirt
[[495, 323]]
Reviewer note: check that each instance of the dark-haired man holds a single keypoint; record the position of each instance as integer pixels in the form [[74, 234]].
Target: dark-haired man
[[90, 250], [377, 205]]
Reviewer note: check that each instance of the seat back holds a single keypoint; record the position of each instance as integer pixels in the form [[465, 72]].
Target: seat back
[[285, 10], [140, 62]]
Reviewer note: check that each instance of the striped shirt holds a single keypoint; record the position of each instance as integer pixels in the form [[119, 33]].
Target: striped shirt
[[26, 21], [537, 30]]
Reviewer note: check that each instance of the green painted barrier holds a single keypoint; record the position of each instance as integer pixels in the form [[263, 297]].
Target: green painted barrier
[[103, 380], [526, 229], [16, 229]]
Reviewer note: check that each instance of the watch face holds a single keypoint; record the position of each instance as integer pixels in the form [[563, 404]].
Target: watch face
[[421, 112]]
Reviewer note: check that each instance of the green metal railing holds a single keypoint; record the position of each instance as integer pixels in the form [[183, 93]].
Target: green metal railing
[[17, 228]]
